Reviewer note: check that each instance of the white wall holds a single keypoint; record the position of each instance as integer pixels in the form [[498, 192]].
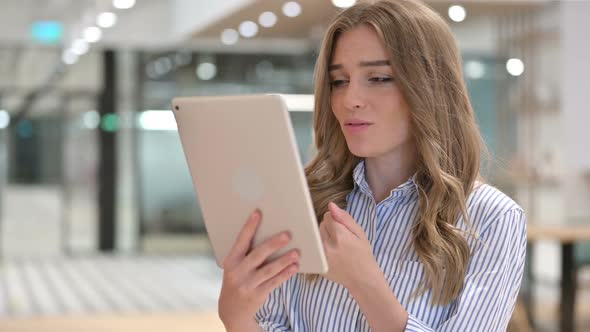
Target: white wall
[[576, 104]]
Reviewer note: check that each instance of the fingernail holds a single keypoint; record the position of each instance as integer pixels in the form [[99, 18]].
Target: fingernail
[[334, 211], [335, 206]]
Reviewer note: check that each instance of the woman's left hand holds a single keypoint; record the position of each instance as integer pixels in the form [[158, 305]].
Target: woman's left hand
[[348, 250]]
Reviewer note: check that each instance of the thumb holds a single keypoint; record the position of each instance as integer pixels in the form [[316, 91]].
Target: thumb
[[342, 217]]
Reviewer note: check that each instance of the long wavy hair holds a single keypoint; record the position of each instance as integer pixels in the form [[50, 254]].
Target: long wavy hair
[[428, 67]]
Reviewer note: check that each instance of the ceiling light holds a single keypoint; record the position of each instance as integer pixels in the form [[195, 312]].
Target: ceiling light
[[229, 36], [69, 57], [343, 3], [475, 69], [248, 29], [291, 9], [515, 67], [106, 19], [267, 19], [163, 66], [4, 119], [92, 34], [457, 13], [123, 4], [91, 119], [206, 71], [157, 120], [79, 46]]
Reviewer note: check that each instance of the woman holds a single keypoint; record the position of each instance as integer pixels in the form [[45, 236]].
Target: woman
[[414, 241]]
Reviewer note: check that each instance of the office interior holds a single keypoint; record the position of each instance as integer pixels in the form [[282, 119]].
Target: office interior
[[100, 226]]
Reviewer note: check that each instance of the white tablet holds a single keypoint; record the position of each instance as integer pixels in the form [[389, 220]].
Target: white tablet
[[242, 155]]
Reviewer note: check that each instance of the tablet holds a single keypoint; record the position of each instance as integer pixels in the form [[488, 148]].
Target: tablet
[[242, 155]]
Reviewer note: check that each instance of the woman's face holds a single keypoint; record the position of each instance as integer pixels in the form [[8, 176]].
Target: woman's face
[[365, 96]]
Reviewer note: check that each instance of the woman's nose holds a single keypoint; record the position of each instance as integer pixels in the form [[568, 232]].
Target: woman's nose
[[355, 97]]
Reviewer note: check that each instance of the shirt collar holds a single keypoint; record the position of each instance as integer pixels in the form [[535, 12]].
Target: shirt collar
[[360, 182]]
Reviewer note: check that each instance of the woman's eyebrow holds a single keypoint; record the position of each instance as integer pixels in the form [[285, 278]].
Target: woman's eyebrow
[[334, 67], [375, 63]]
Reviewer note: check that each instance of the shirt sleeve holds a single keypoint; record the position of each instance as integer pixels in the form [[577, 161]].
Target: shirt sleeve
[[272, 316], [492, 280]]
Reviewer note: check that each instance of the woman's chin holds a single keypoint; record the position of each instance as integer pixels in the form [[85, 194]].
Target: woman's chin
[[360, 152]]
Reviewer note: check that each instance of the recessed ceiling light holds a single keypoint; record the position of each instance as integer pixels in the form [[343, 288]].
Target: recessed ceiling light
[[457, 13], [123, 4], [69, 57], [92, 34], [248, 29], [515, 67], [343, 3], [106, 19], [292, 9], [206, 71], [229, 36], [79, 46], [267, 19]]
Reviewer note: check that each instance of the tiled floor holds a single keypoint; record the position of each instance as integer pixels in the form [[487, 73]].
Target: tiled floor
[[107, 285], [152, 293]]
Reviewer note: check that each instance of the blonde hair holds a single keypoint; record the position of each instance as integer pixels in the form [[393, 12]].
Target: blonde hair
[[428, 71]]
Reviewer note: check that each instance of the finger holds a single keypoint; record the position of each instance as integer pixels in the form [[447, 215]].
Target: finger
[[334, 229], [328, 239], [270, 270], [278, 279], [244, 240], [258, 255], [323, 232], [343, 218]]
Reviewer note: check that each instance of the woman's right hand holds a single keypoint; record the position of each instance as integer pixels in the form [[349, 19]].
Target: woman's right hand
[[248, 279]]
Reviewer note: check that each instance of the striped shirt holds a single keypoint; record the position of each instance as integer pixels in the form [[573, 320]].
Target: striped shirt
[[490, 287]]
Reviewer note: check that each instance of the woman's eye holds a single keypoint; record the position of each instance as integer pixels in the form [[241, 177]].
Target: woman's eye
[[380, 79], [337, 83]]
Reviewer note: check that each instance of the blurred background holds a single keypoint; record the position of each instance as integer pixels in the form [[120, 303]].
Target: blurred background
[[100, 228]]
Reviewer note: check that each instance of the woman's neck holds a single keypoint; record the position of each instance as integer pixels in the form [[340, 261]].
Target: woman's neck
[[387, 172]]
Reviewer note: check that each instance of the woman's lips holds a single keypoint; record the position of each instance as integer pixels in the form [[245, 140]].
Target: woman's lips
[[357, 128]]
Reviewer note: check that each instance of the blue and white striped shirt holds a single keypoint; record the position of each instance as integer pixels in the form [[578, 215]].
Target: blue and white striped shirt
[[490, 287]]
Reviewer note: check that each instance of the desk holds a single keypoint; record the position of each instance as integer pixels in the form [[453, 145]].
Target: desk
[[567, 236]]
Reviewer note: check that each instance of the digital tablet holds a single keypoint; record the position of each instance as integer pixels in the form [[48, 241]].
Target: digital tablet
[[242, 156]]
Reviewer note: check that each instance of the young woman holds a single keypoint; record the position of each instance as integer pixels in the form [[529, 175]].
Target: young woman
[[414, 240]]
